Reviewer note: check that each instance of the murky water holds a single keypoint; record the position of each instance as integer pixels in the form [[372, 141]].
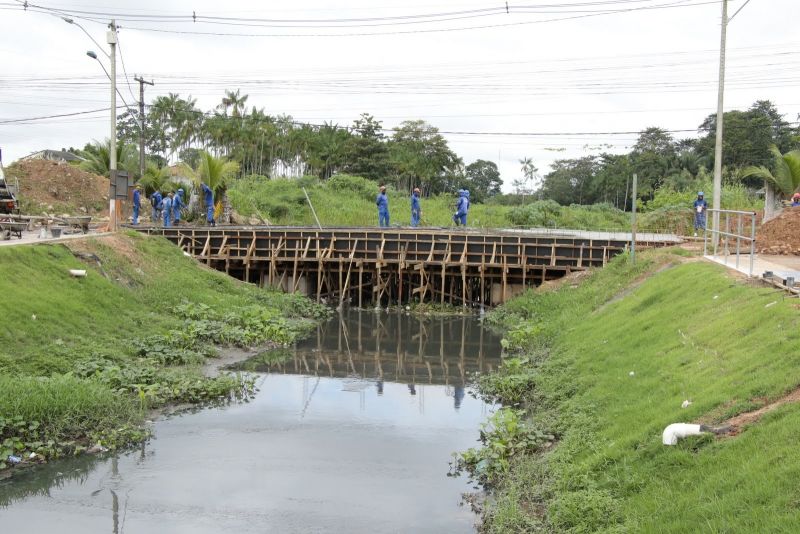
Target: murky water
[[352, 431]]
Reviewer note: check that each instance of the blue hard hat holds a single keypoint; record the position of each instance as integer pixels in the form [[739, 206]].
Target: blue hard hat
[[700, 194], [180, 190]]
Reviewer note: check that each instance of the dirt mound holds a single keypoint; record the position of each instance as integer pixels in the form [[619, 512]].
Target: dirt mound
[[780, 235], [59, 188]]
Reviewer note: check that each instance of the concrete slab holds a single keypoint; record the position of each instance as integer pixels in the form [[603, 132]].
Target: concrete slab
[[32, 238], [780, 265]]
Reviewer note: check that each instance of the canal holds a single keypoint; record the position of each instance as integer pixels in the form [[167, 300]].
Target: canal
[[351, 431]]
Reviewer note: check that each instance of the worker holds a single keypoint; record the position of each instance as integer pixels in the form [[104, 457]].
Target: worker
[[416, 210], [796, 200], [700, 207], [382, 201], [137, 203], [208, 199], [177, 204], [155, 202], [166, 209], [462, 207]]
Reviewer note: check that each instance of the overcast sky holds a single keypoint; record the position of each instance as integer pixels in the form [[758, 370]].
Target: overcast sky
[[492, 71]]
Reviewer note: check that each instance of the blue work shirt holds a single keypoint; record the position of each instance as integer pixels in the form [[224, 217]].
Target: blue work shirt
[[702, 203], [382, 201], [137, 199], [177, 204], [208, 195], [158, 198], [414, 203]]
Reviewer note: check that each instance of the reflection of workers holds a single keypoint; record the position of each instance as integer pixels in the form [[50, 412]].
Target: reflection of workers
[[412, 389], [379, 385], [796, 200], [208, 199], [166, 209], [458, 396], [416, 210], [177, 204], [137, 203], [382, 201], [462, 207], [700, 207]]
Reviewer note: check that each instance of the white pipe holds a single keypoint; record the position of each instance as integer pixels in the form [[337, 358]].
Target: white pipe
[[77, 273], [677, 431]]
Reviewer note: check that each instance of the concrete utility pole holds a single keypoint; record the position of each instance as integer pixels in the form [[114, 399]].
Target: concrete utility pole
[[633, 219], [141, 122], [718, 146], [112, 156]]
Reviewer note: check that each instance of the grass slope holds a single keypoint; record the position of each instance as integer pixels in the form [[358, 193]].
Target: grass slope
[[687, 332], [81, 359]]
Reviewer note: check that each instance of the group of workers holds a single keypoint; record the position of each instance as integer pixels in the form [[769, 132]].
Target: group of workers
[[166, 208], [382, 202]]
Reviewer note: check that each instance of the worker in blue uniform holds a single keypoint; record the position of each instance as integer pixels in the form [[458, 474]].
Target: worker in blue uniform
[[382, 201], [700, 207], [177, 204], [462, 208], [166, 209], [137, 203], [155, 202], [208, 199], [416, 210]]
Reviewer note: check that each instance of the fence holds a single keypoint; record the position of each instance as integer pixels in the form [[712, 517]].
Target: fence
[[722, 240]]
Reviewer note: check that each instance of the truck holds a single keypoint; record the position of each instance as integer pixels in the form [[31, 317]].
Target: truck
[[8, 193]]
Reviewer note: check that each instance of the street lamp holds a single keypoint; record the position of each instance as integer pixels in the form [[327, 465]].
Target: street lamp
[[111, 38]]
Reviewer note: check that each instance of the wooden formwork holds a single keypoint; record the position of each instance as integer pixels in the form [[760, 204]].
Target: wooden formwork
[[381, 266]]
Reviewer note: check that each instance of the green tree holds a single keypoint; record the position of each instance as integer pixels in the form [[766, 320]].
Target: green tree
[[421, 157], [367, 153], [154, 178], [653, 158], [569, 180], [482, 178]]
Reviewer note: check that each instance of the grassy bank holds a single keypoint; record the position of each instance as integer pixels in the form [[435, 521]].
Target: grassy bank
[[83, 359], [600, 368]]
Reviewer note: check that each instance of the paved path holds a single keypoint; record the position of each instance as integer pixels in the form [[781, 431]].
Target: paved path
[[781, 266]]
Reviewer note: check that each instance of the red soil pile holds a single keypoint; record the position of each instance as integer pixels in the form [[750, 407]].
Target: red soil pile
[[58, 188], [780, 235]]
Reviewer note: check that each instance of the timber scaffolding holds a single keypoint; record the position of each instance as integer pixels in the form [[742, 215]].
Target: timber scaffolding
[[395, 265]]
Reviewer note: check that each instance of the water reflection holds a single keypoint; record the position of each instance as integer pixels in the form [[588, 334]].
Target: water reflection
[[391, 347], [351, 431]]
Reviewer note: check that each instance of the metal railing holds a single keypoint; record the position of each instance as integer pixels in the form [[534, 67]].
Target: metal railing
[[722, 240]]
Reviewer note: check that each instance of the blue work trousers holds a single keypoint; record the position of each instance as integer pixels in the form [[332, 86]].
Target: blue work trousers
[[155, 215], [460, 219], [414, 219], [383, 218], [210, 214], [135, 214], [700, 220], [167, 218]]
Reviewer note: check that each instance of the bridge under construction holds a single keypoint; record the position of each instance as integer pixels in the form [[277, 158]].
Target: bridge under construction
[[379, 266]]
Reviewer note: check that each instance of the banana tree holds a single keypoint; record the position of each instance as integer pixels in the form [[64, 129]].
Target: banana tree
[[784, 178]]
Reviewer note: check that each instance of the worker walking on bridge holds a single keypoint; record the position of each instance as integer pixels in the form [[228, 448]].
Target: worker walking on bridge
[[137, 203], [177, 204], [462, 208], [208, 199], [382, 201], [166, 209], [416, 210]]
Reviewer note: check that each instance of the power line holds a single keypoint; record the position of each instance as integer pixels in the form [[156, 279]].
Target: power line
[[9, 121]]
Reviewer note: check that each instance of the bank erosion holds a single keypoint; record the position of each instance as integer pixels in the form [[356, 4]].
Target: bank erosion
[[84, 359], [598, 367]]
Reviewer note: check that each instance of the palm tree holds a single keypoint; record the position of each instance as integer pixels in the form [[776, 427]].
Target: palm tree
[[235, 101], [154, 178], [97, 158], [216, 173], [785, 178], [786, 175]]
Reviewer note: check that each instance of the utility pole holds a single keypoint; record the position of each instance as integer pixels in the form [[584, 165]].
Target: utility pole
[[718, 146], [112, 156], [141, 122], [633, 219]]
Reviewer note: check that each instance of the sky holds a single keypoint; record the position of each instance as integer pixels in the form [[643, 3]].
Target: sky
[[563, 76]]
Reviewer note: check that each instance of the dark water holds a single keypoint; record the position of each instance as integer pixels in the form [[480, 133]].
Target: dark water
[[352, 431]]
